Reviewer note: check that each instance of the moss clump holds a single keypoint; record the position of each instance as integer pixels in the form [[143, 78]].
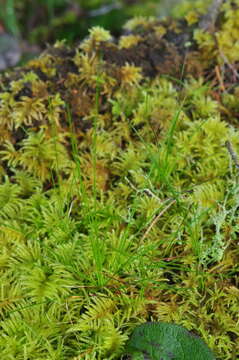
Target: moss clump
[[119, 198]]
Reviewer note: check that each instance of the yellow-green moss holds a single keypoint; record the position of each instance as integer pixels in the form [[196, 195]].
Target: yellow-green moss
[[119, 199]]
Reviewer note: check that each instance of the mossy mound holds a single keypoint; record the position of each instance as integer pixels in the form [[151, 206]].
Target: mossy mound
[[119, 199]]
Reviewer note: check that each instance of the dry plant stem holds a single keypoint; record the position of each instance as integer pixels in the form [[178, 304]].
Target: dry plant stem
[[208, 21], [146, 191], [231, 67], [220, 79], [157, 218], [232, 153]]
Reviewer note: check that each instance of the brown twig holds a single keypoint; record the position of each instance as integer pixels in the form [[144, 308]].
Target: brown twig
[[232, 153], [208, 21], [155, 220], [220, 78]]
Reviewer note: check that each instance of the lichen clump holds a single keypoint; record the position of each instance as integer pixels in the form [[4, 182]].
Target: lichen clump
[[119, 199]]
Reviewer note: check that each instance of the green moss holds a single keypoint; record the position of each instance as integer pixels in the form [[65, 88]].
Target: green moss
[[119, 198]]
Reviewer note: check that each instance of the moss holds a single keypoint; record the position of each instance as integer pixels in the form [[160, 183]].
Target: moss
[[119, 198]]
